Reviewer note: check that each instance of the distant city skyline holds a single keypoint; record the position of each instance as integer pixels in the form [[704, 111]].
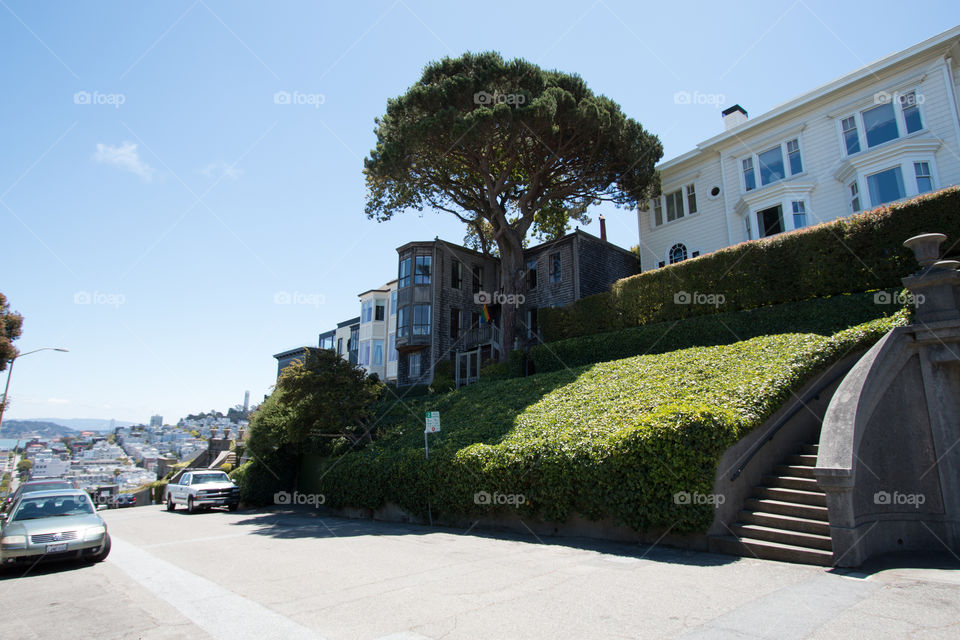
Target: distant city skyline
[[182, 194]]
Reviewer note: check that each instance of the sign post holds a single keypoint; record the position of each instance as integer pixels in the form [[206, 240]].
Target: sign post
[[431, 425]]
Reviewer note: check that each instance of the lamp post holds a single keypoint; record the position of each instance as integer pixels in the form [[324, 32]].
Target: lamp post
[[6, 389]]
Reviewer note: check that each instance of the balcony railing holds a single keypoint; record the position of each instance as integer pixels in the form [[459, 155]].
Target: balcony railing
[[479, 336]]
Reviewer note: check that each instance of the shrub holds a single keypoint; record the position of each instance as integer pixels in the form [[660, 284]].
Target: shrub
[[259, 480], [823, 316], [615, 439], [857, 253], [495, 371], [443, 379]]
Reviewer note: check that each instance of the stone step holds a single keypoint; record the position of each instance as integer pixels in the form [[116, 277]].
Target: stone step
[[817, 498], [783, 536], [809, 511], [767, 550], [791, 482], [802, 460], [794, 471], [780, 521], [809, 449]]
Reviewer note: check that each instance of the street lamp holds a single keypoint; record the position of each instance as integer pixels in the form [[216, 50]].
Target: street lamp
[[6, 389]]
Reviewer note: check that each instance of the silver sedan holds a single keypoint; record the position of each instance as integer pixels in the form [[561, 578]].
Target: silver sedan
[[53, 525]]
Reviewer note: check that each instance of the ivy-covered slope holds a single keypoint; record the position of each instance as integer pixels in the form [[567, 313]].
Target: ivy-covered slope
[[616, 439]]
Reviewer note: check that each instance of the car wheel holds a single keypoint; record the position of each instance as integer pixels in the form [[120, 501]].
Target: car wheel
[[100, 557], [170, 505], [190, 507]]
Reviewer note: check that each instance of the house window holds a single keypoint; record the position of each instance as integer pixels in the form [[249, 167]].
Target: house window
[[911, 112], [678, 253], [793, 157], [403, 322], [531, 274], [749, 179], [850, 136], [477, 279], [456, 274], [691, 200], [771, 166], [749, 230], [393, 302], [366, 311], [657, 211], [377, 352], [770, 221], [454, 324], [880, 124], [365, 354], [674, 205], [340, 346], [404, 279], [413, 362], [421, 319], [392, 354], [422, 267], [799, 214], [854, 196], [924, 179], [475, 319], [886, 186], [380, 310], [555, 273]]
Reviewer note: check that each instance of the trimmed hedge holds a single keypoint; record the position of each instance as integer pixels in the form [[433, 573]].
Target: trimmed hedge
[[616, 439], [824, 316], [856, 253]]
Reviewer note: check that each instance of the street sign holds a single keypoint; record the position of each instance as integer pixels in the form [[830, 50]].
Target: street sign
[[433, 422]]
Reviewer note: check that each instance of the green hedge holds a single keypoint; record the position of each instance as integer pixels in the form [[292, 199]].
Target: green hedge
[[856, 253], [824, 316], [617, 439]]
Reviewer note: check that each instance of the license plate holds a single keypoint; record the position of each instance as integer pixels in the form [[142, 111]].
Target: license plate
[[54, 548]]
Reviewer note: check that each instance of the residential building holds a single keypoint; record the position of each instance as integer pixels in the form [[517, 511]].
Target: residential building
[[445, 292], [347, 340], [327, 339], [156, 421], [286, 358], [377, 331], [880, 134]]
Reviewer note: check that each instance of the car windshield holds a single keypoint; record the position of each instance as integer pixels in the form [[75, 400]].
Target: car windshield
[[203, 478], [70, 505]]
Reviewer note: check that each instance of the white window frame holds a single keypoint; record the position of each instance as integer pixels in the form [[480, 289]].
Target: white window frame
[[785, 157], [893, 98], [910, 186], [658, 205]]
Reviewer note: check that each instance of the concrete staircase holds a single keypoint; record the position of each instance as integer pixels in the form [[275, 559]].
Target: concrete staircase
[[786, 518]]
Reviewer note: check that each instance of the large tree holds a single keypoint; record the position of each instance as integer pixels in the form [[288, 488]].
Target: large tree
[[10, 326], [506, 146]]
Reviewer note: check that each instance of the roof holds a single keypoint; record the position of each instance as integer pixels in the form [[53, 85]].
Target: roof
[[291, 352], [943, 40], [349, 322]]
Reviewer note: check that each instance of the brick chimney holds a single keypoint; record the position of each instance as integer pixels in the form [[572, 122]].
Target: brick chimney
[[603, 228]]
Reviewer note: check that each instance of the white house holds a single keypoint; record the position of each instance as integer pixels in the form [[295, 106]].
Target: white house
[[377, 335], [882, 133]]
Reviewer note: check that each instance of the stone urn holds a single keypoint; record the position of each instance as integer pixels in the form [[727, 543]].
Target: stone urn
[[926, 247]]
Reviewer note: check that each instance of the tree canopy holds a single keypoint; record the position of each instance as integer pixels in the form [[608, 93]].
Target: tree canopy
[[506, 147], [11, 325]]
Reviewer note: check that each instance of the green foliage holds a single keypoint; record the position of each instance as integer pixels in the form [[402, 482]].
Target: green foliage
[[260, 479], [11, 325], [516, 364], [157, 490], [852, 254], [443, 379], [317, 398], [613, 439], [495, 371], [824, 316]]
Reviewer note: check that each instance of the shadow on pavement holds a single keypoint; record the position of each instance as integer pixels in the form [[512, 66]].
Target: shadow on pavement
[[298, 524]]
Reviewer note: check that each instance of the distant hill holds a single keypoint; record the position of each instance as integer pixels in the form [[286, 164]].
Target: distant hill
[[44, 429], [86, 424]]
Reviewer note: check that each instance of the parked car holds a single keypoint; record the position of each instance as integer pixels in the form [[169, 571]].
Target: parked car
[[53, 525], [126, 500], [30, 486], [201, 489]]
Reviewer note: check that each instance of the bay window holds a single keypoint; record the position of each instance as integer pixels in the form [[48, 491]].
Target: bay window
[[924, 179], [889, 120], [771, 165], [421, 319], [886, 186]]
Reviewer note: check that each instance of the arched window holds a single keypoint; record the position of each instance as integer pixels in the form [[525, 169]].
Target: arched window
[[678, 252]]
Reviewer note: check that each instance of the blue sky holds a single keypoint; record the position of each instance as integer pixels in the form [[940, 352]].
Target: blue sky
[[155, 199]]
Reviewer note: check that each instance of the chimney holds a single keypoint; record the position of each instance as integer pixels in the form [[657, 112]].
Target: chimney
[[733, 117], [603, 228]]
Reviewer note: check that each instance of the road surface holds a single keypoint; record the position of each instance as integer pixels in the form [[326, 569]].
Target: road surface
[[293, 574]]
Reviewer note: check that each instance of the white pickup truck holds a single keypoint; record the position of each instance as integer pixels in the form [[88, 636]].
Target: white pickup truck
[[201, 489]]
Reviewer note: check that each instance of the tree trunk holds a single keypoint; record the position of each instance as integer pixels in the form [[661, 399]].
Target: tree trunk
[[514, 286]]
